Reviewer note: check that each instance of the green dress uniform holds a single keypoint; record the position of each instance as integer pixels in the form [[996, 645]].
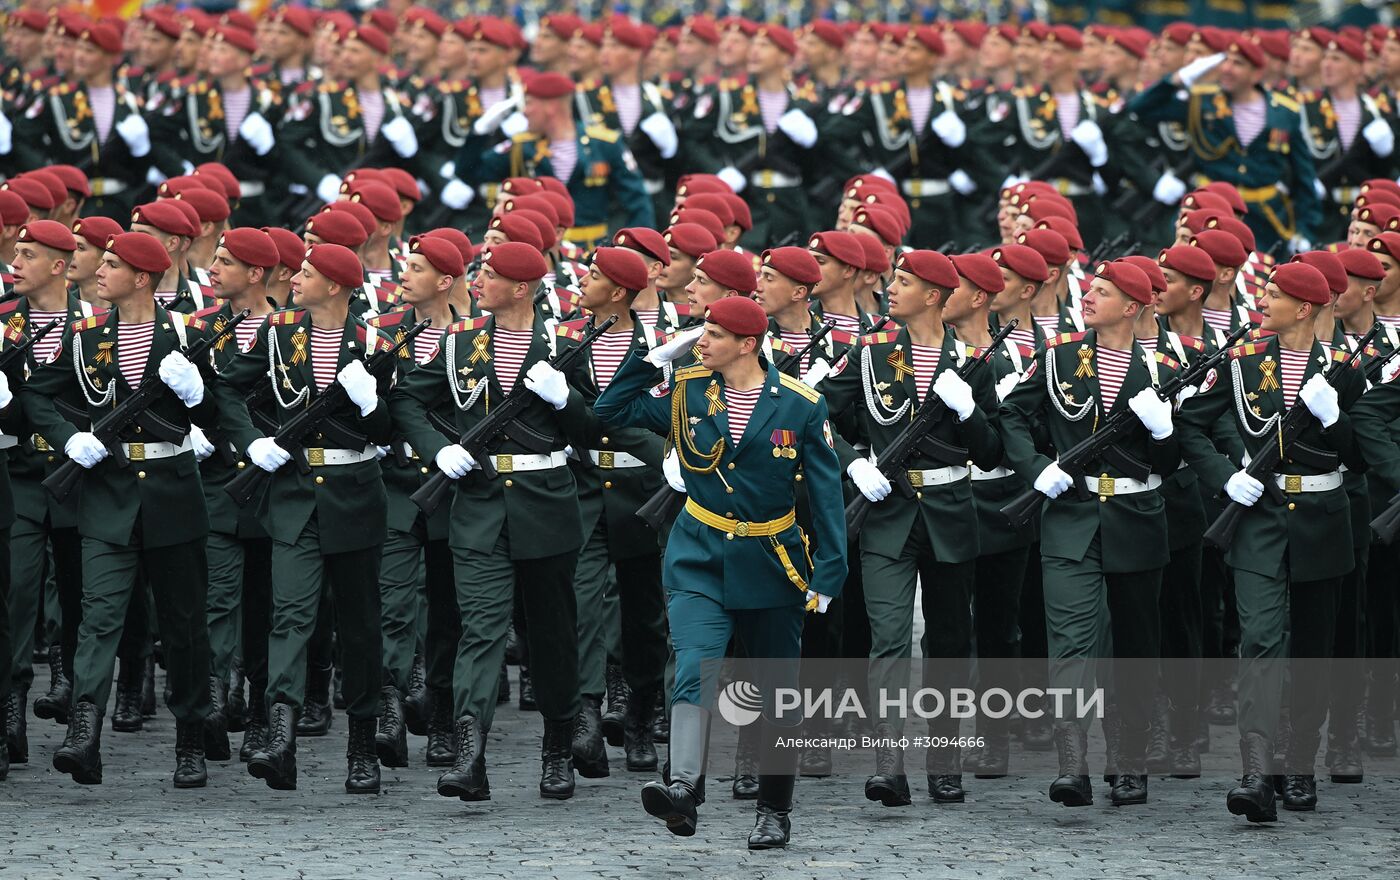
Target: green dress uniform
[[445, 116], [1288, 558], [10, 418], [594, 105], [323, 132], [1341, 169], [327, 522], [605, 170], [1256, 169]]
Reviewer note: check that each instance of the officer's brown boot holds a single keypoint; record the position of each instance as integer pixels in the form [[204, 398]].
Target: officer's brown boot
[[674, 800]]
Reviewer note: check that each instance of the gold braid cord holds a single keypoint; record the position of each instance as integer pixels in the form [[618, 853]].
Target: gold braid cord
[[680, 437], [1203, 150]]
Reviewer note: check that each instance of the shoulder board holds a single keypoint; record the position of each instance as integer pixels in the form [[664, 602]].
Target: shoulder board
[[467, 324], [1338, 355], [372, 339], [606, 135], [387, 319], [1248, 349], [209, 312], [189, 320], [88, 323], [693, 372], [1283, 101], [1259, 333], [286, 316], [1062, 338], [843, 337], [797, 385], [1195, 343], [1205, 89], [305, 87], [1167, 361], [878, 338], [778, 344], [9, 306], [571, 330], [1026, 351], [13, 335]]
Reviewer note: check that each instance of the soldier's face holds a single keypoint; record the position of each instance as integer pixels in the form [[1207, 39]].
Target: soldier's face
[[1118, 62], [155, 49], [1281, 311], [493, 237], [63, 46], [994, 54], [1237, 74], [1304, 58], [1390, 284], [495, 291], [1016, 290], [766, 57], [187, 49], [229, 275], [678, 273], [661, 60], [23, 44], [962, 301], [583, 55], [85, 261], [1107, 306], [915, 59], [419, 282], [1360, 233], [598, 290], [310, 287], [548, 47], [357, 59], [116, 280], [422, 45], [861, 50], [775, 291], [703, 290], [226, 60], [1339, 69], [88, 60], [691, 51], [1170, 54], [719, 348], [1390, 58], [283, 41], [909, 296], [1180, 292], [35, 265], [733, 48], [1359, 292], [1057, 59], [1027, 54]]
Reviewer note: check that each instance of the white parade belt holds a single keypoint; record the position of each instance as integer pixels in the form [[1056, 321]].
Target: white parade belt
[[317, 456], [916, 188], [149, 451], [993, 474], [608, 459], [938, 476], [1295, 483], [514, 464], [1107, 487]]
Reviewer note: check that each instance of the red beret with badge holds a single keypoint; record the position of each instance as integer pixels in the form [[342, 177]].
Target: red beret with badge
[[337, 263], [739, 315], [729, 269], [140, 251], [622, 267]]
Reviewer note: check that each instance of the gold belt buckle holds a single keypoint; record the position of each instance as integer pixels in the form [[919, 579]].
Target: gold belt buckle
[[1062, 186], [316, 456], [741, 529], [916, 479], [505, 464], [1106, 486], [1292, 483], [136, 451], [41, 445], [605, 459], [916, 188], [767, 179]]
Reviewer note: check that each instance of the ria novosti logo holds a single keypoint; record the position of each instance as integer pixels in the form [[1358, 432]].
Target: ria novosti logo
[[740, 703]]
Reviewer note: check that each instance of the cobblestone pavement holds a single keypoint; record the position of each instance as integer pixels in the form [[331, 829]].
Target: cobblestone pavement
[[137, 825]]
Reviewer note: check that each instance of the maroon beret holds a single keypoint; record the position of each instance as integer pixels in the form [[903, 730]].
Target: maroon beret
[[96, 230], [794, 262], [184, 207], [402, 183], [707, 219], [1362, 264], [1227, 191], [695, 184], [225, 180], [1127, 278], [702, 28], [691, 239], [371, 36], [876, 260], [1383, 183], [1330, 265], [236, 37], [880, 220], [337, 263], [32, 192], [1274, 43], [855, 188], [173, 186], [629, 34], [1204, 198], [1224, 248], [981, 270], [517, 228], [779, 36], [928, 37], [163, 215], [49, 233], [290, 248], [440, 253], [212, 207], [51, 182], [337, 227], [541, 203], [239, 19], [622, 267], [30, 18], [743, 217], [498, 32], [14, 210], [140, 251], [521, 186], [1387, 243], [1049, 244], [644, 240], [516, 261], [298, 18], [842, 246], [564, 24], [1066, 35], [1352, 48], [1378, 215], [1249, 50], [1236, 227], [457, 238], [1149, 268], [73, 178], [428, 20], [931, 266], [714, 203], [252, 246], [1023, 260], [357, 212], [591, 33], [1066, 227], [729, 269], [1303, 282], [544, 226], [1190, 261], [380, 198], [104, 37], [550, 85], [739, 315], [1179, 32], [828, 32], [384, 20]]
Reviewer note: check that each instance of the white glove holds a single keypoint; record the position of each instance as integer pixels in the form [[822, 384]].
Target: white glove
[[456, 194], [182, 377], [548, 384], [1006, 383], [136, 133], [266, 454], [155, 177], [1100, 188], [1053, 481], [6, 395], [732, 178], [1186, 393], [381, 453], [1321, 400], [671, 468], [951, 130], [328, 190], [7, 129], [359, 386], [448, 170], [822, 601], [257, 132], [1199, 68], [1380, 136], [666, 352], [492, 118], [200, 443], [84, 448], [1244, 489], [798, 126], [955, 393], [399, 132], [960, 181], [454, 461], [818, 371], [1319, 190], [868, 479], [1154, 413], [1089, 137], [883, 174], [1169, 188], [1299, 244], [515, 124], [1013, 179], [659, 128]]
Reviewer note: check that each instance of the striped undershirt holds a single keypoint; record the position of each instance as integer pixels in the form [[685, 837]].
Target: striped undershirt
[[647, 317], [509, 348], [608, 351], [236, 105], [247, 333], [102, 100], [165, 297], [798, 339], [920, 106], [425, 343], [133, 349], [1149, 343], [325, 355], [491, 95], [1388, 320], [1049, 323], [739, 406], [1067, 110], [1112, 366], [563, 156], [628, 101], [372, 111], [44, 348], [1348, 120], [925, 358], [291, 75], [844, 323], [1292, 366], [1249, 120], [1217, 319], [772, 106], [1022, 336]]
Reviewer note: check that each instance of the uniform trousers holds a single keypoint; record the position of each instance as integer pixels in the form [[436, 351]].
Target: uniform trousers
[[638, 607]]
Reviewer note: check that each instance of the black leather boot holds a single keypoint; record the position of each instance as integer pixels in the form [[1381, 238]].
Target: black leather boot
[[1130, 783], [215, 728], [1183, 742], [1300, 793], [661, 719], [53, 705], [1159, 735], [417, 703], [590, 757], [1110, 725], [361, 763], [815, 761], [190, 771], [745, 787], [442, 740], [772, 826], [1253, 798], [276, 764], [16, 728], [943, 766], [467, 778], [126, 714], [503, 686], [557, 761], [889, 785], [619, 696], [1037, 734], [316, 712], [526, 703], [80, 756], [675, 800], [338, 687], [993, 760], [254, 728], [1071, 788], [236, 706], [1380, 719], [1344, 751], [1221, 708], [148, 687], [391, 742], [636, 734], [1299, 785]]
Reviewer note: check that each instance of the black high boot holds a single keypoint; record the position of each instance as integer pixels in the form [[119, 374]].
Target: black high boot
[[526, 703], [943, 767], [1183, 748], [1130, 783], [1072, 787], [80, 756], [276, 764], [190, 771], [1110, 726], [619, 696], [590, 757], [236, 707], [442, 739], [745, 787], [215, 728], [636, 734], [254, 728], [661, 720], [889, 785], [467, 778], [16, 727], [815, 762], [126, 714], [1380, 713], [53, 705], [391, 741], [503, 686], [1158, 760], [557, 761], [772, 827], [1300, 786], [993, 759], [417, 702], [675, 800], [316, 712], [362, 765], [1253, 798], [1344, 749], [148, 687]]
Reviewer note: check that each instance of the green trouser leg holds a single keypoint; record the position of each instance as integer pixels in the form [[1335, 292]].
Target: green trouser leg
[[300, 571], [485, 598], [400, 575], [51, 623], [4, 608], [642, 622], [612, 619], [444, 628], [177, 575], [591, 577], [420, 624], [225, 601], [29, 545]]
